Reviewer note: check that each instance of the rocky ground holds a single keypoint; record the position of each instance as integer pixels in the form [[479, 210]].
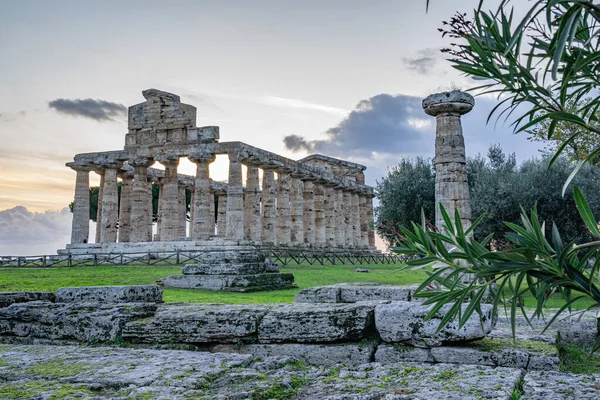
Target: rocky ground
[[75, 372]]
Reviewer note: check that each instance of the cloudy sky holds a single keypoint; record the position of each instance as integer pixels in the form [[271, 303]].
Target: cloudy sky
[[342, 78]]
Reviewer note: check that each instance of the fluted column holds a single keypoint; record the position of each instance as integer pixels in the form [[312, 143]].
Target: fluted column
[[80, 228], [355, 219], [329, 206], [150, 200], [110, 205], [212, 213], [340, 221], [370, 222], [140, 215], [296, 209], [252, 205], [319, 215], [309, 212], [125, 208], [268, 207], [364, 232], [234, 228], [182, 198], [221, 213], [283, 208], [451, 183], [348, 232], [169, 206], [203, 200], [99, 205]]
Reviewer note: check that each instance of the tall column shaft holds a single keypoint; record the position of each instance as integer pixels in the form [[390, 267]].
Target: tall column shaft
[[348, 230], [125, 208], [309, 212], [252, 205], [329, 206], [203, 220], [182, 212], [283, 209], [370, 222], [268, 207], [364, 231], [355, 219], [169, 207], [110, 206], [222, 214], [80, 229], [320, 238], [150, 208], [235, 201], [340, 220], [296, 209], [212, 210], [140, 215], [99, 206]]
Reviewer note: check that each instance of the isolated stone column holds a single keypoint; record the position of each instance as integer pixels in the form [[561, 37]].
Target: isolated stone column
[[140, 215], [169, 208], [283, 208], [110, 205], [296, 209], [252, 205], [355, 219], [308, 205], [221, 213], [125, 208], [80, 228], [370, 222], [201, 224], [268, 207], [340, 220], [234, 228], [451, 184], [364, 231], [99, 205], [329, 207], [320, 239], [348, 230]]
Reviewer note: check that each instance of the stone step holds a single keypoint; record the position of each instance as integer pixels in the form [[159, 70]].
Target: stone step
[[352, 293], [233, 283], [8, 298], [224, 269], [110, 294]]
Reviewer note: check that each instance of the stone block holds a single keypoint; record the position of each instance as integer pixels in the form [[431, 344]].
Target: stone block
[[197, 323], [232, 283], [539, 385], [110, 294], [544, 362], [85, 322], [233, 257], [464, 355], [8, 298], [390, 354], [405, 322], [353, 293], [223, 269], [327, 355], [322, 294], [317, 323]]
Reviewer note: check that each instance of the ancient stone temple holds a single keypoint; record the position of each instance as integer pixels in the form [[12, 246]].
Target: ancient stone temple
[[316, 202]]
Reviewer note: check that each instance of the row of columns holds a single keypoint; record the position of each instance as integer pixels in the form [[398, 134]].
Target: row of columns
[[295, 211]]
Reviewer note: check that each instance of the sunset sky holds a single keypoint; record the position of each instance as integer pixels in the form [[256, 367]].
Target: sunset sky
[[344, 77]]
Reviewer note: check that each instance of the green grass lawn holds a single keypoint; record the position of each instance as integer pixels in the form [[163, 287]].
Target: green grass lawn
[[52, 278]]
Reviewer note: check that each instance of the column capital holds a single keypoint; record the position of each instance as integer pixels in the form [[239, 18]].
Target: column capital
[[454, 102], [202, 157], [167, 158], [80, 167], [141, 162]]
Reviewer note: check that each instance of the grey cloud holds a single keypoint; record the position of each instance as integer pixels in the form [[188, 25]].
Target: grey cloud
[[99, 110], [382, 124], [424, 61]]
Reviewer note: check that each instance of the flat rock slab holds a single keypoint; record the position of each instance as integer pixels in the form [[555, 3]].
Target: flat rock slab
[[197, 323], [110, 294], [405, 322], [232, 283], [233, 257], [329, 355], [561, 386], [224, 269], [8, 298], [353, 293], [70, 372], [317, 323], [84, 322]]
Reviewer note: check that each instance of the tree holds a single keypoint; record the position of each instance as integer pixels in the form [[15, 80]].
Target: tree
[[548, 60]]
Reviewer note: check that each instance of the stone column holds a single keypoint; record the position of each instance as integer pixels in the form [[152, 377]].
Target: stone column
[[80, 228], [355, 219], [283, 208], [340, 220], [150, 199], [268, 207], [234, 228], [125, 208], [329, 206], [221, 213], [140, 215], [252, 205], [169, 201], [296, 209], [110, 205], [319, 215], [201, 224], [161, 192], [451, 184], [364, 231], [212, 213], [348, 230], [182, 198], [309, 212], [370, 222], [99, 205]]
